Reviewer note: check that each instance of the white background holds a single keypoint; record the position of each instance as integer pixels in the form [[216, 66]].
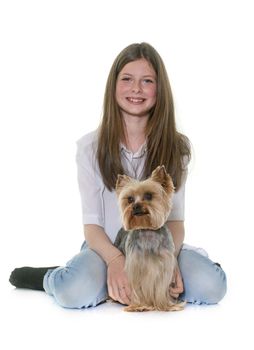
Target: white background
[[54, 61]]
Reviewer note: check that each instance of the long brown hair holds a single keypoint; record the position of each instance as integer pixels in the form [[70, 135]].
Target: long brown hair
[[165, 145]]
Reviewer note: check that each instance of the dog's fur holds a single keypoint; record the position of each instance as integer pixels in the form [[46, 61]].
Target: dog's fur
[[146, 241]]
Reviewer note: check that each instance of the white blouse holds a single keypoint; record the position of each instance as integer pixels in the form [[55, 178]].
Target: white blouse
[[99, 205]]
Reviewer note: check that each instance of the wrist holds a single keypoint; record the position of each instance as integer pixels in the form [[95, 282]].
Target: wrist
[[177, 251], [115, 257]]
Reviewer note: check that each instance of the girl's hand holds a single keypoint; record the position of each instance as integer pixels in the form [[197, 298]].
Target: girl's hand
[[118, 287], [176, 287]]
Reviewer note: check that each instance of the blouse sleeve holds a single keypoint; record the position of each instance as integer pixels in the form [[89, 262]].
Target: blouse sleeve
[[178, 202], [90, 185]]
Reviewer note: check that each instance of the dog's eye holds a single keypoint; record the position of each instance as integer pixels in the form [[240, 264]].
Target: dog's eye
[[148, 196], [130, 199]]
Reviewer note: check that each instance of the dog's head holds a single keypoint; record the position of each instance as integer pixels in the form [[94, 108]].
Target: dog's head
[[145, 204]]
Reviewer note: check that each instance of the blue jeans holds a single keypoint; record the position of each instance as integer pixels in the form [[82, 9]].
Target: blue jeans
[[83, 281]]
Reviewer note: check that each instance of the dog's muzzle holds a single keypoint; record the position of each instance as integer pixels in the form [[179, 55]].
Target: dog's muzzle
[[137, 210]]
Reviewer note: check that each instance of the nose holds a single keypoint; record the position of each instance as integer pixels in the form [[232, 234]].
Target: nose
[[136, 87], [137, 209]]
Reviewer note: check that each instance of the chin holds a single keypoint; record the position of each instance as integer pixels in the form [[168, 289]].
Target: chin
[[136, 111]]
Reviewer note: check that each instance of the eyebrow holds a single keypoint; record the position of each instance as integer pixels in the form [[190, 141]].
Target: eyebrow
[[144, 76]]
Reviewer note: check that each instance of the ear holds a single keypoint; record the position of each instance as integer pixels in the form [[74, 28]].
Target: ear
[[162, 177], [122, 180]]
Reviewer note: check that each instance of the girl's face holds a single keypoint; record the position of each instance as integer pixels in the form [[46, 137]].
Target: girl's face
[[136, 87]]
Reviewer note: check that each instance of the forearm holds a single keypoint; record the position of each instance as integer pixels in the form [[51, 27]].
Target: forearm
[[177, 230], [98, 241]]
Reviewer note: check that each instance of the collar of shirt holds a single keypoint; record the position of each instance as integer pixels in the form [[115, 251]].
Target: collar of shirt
[[138, 154], [133, 163]]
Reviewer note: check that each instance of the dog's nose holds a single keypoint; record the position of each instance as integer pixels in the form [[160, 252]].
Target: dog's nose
[[137, 209]]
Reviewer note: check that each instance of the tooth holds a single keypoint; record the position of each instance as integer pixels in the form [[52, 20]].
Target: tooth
[[136, 99]]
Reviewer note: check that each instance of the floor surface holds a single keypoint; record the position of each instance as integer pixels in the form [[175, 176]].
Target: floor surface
[[32, 320]]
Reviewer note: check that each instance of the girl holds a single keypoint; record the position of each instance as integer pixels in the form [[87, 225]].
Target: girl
[[137, 133]]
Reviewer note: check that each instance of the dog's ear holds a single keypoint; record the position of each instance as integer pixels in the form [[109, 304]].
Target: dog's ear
[[122, 180], [162, 177]]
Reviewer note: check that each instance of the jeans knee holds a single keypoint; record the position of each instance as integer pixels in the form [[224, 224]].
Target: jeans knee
[[204, 281], [214, 287], [77, 294], [73, 288]]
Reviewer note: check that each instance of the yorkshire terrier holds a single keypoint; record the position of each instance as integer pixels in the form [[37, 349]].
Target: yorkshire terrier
[[146, 241]]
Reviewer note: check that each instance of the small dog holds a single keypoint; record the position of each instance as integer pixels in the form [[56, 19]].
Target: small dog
[[146, 241]]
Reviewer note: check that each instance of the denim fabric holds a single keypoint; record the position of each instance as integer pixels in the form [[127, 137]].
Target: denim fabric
[[204, 281], [83, 281]]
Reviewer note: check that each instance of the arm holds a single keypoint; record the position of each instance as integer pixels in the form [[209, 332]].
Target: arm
[[176, 226], [177, 230], [97, 240]]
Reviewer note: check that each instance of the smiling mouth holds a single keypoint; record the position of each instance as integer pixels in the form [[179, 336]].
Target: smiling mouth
[[135, 100]]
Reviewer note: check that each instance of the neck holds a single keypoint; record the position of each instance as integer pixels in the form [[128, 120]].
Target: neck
[[134, 132]]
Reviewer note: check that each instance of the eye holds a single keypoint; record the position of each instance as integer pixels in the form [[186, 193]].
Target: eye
[[130, 199], [148, 81], [126, 79], [148, 196]]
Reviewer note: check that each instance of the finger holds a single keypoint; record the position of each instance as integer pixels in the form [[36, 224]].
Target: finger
[[113, 291], [124, 295], [128, 292], [178, 277], [117, 294], [110, 291], [124, 299], [178, 285], [174, 295], [124, 290], [176, 289], [127, 289], [173, 291]]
